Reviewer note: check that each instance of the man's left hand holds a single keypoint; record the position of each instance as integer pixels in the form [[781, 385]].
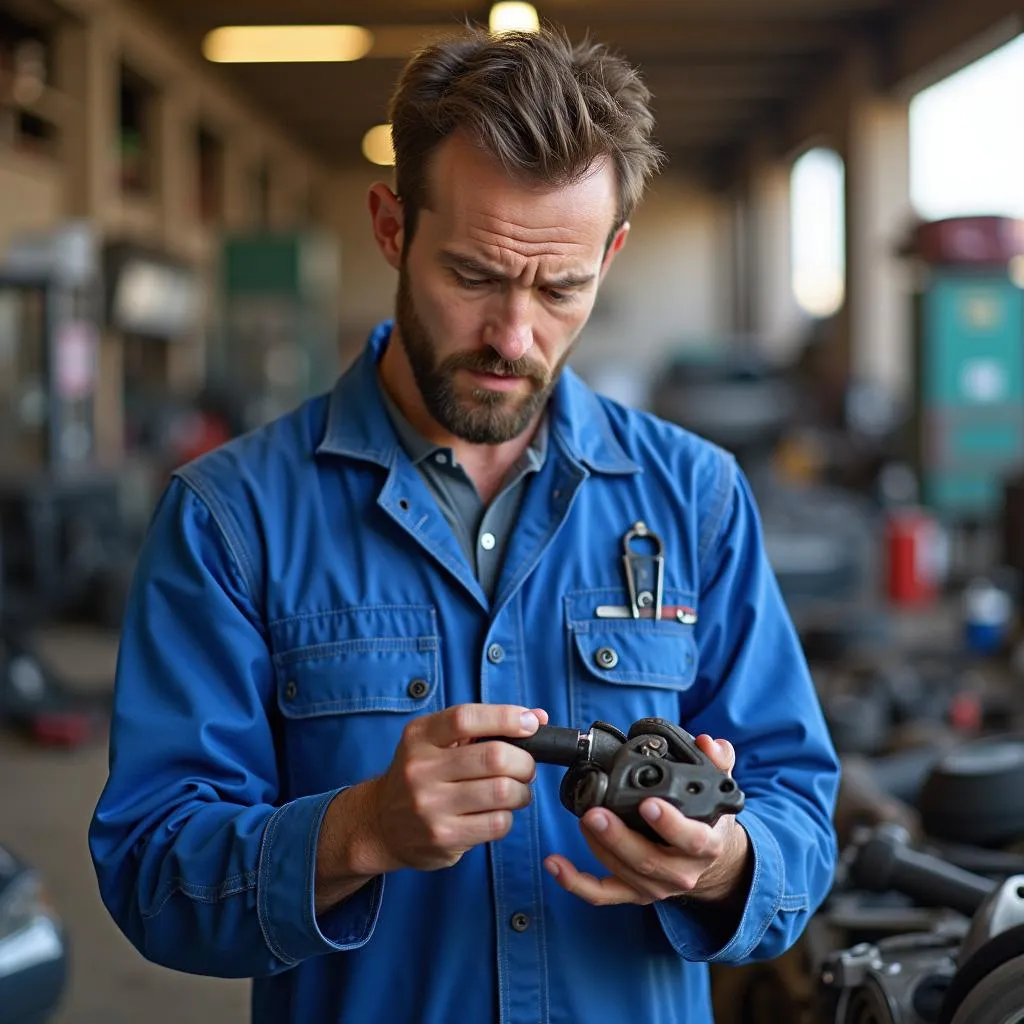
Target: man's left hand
[[700, 862]]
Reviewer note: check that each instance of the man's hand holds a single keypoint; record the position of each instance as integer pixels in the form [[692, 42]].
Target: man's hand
[[445, 793], [442, 794], [700, 862]]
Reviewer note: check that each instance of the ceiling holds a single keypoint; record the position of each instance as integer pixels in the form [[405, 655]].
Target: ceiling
[[718, 69]]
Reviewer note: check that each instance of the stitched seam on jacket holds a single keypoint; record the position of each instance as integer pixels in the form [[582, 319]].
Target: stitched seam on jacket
[[711, 527], [262, 913], [776, 906], [230, 533], [200, 893], [356, 610]]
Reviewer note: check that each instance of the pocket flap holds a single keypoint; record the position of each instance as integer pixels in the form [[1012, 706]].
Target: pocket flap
[[372, 674], [641, 652]]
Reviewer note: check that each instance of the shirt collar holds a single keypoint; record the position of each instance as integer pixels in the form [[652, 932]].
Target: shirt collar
[[358, 424]]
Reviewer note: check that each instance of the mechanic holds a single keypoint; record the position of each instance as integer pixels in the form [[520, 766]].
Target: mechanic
[[332, 612]]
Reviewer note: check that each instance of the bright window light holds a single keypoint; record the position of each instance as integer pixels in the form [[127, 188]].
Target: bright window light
[[512, 16], [377, 145], [966, 149], [819, 232], [262, 44]]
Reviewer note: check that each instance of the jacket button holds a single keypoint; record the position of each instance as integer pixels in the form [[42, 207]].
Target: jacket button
[[520, 922], [495, 653], [418, 688], [291, 689], [606, 657]]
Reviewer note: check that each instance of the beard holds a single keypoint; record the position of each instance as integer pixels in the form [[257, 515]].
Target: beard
[[479, 416]]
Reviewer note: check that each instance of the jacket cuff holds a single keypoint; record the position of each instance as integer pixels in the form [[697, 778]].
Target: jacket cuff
[[286, 889], [693, 940]]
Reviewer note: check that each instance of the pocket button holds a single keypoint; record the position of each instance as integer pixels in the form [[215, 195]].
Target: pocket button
[[418, 689], [291, 690], [606, 657]]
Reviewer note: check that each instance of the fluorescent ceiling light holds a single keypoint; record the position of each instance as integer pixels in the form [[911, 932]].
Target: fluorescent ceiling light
[[377, 146], [512, 16], [260, 44]]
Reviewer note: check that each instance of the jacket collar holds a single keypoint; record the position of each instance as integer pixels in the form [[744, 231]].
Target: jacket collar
[[359, 427]]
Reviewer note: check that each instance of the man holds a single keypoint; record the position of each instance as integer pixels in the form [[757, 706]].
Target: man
[[333, 614]]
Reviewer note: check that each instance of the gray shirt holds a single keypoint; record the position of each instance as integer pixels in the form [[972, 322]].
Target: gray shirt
[[483, 531]]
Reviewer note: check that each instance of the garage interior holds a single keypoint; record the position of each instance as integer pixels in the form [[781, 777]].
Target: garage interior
[[185, 254]]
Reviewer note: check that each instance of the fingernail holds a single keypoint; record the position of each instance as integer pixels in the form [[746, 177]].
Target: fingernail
[[529, 721], [599, 822], [719, 749], [650, 810], [552, 868]]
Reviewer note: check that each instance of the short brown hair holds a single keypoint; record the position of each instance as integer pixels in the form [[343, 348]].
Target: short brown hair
[[545, 108]]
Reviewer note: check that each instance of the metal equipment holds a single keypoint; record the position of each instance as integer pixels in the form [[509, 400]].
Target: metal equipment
[[608, 768]]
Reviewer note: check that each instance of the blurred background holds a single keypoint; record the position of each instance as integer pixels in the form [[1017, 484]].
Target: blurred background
[[827, 279]]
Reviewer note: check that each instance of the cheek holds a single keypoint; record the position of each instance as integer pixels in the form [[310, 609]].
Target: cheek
[[558, 329], [449, 319]]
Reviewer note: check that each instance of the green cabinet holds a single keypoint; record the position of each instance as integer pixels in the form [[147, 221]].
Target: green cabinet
[[970, 390]]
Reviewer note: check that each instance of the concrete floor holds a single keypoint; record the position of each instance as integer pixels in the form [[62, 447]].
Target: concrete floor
[[46, 799]]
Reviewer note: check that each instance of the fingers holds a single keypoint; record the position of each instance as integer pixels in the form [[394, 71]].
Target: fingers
[[488, 761], [475, 721], [721, 752], [601, 892], [648, 889], [685, 837], [653, 869], [496, 794], [488, 827]]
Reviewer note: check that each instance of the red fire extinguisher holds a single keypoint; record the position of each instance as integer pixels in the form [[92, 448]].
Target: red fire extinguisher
[[916, 557]]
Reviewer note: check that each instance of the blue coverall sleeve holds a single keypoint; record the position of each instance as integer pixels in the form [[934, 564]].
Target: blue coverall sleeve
[[199, 865], [761, 699]]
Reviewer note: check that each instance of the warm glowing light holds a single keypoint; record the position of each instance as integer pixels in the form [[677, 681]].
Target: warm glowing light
[[261, 44], [513, 16], [819, 292], [377, 146]]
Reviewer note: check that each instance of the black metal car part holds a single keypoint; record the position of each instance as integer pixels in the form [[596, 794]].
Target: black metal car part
[[617, 771]]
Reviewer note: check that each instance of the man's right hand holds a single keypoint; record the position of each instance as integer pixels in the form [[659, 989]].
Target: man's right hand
[[443, 794]]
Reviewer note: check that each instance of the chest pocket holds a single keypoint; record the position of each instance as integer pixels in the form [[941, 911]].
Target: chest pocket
[[624, 669], [348, 682]]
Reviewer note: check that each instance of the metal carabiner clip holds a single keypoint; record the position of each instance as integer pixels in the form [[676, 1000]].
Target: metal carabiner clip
[[645, 572]]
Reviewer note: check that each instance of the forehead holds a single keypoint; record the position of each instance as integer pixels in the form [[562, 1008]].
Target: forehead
[[474, 203]]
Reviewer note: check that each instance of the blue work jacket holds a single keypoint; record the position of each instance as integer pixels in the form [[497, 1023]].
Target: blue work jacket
[[297, 588]]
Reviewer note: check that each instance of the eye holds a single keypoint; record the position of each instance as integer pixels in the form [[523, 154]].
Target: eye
[[469, 283], [558, 297]]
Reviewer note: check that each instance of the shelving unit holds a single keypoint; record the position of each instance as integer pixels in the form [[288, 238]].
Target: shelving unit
[[103, 119], [32, 111]]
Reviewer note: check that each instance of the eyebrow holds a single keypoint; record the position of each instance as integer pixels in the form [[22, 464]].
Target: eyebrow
[[472, 265]]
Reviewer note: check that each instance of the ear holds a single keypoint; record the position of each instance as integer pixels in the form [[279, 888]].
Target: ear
[[387, 216], [613, 250]]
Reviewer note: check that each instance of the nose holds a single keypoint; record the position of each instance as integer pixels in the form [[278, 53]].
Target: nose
[[509, 330]]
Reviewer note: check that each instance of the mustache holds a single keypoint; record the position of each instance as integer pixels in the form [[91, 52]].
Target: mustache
[[491, 362]]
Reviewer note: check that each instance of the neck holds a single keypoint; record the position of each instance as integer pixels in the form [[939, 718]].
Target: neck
[[487, 465]]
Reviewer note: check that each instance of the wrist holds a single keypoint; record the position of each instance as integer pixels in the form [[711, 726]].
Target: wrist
[[365, 853], [349, 854], [728, 880]]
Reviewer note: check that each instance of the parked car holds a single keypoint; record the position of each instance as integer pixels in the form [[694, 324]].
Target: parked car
[[33, 946]]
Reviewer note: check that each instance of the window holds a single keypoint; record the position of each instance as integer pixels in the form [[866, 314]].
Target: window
[[819, 232], [966, 146]]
